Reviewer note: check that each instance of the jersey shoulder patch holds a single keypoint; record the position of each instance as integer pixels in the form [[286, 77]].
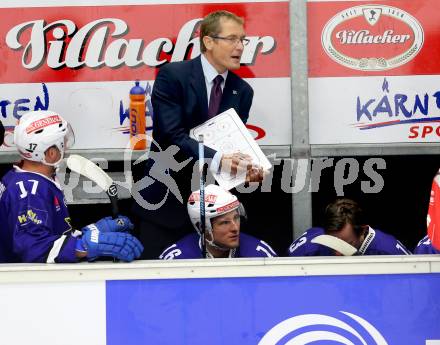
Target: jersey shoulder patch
[[32, 215]]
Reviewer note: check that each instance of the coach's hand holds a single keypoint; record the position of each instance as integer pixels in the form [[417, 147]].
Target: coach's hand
[[235, 163], [241, 164], [255, 174]]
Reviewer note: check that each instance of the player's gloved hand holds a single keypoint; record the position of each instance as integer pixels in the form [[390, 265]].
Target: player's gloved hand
[[119, 224], [119, 245]]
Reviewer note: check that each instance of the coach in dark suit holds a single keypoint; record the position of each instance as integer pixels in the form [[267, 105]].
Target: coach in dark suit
[[2, 133], [186, 94]]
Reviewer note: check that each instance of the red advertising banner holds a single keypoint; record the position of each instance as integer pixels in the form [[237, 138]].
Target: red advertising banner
[[127, 42], [370, 38], [433, 217], [82, 61]]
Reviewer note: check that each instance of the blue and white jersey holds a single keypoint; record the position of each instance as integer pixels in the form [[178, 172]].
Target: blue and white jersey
[[425, 247], [376, 242], [303, 246], [189, 247], [35, 223]]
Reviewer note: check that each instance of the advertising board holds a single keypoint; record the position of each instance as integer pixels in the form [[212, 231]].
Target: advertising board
[[373, 72], [82, 61], [376, 300], [374, 310]]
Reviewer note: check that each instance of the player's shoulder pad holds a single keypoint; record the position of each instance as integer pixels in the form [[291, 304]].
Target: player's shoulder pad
[[261, 247]]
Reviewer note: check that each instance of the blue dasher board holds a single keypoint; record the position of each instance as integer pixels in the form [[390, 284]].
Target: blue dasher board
[[398, 309]]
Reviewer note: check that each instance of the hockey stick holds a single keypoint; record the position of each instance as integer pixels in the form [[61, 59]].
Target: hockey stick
[[335, 243], [87, 168], [202, 170]]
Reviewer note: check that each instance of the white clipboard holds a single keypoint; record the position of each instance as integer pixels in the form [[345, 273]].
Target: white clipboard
[[226, 133]]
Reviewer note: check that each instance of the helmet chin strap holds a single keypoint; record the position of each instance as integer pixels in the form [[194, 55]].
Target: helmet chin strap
[[213, 244], [231, 253], [211, 241], [55, 165]]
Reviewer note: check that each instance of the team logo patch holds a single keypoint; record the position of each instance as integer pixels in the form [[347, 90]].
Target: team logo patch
[[56, 203], [372, 37], [32, 216]]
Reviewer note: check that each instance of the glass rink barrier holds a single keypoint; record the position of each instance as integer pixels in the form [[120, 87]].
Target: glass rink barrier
[[391, 300]]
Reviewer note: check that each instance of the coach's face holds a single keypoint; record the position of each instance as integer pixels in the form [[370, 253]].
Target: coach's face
[[224, 50]]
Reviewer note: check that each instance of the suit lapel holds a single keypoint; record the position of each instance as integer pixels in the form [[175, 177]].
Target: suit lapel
[[230, 97], [199, 88]]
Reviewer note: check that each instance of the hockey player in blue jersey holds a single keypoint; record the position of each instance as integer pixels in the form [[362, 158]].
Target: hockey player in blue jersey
[[223, 238], [35, 224], [303, 246], [425, 247], [344, 219]]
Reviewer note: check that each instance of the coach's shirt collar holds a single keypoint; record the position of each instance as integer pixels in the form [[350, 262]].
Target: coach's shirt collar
[[210, 72]]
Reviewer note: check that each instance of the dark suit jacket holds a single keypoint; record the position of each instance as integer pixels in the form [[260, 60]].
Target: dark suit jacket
[[2, 133], [179, 104]]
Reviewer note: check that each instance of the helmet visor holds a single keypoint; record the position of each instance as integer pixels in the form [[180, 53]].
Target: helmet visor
[[69, 138]]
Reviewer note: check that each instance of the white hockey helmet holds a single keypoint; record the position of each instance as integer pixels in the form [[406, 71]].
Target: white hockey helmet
[[38, 130], [217, 202]]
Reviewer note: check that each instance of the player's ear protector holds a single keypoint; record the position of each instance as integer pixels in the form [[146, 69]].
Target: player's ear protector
[[242, 212]]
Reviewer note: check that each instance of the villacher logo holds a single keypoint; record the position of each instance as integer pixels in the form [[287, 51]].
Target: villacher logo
[[372, 37]]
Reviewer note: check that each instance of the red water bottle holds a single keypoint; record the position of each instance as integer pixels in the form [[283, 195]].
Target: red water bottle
[[138, 139]]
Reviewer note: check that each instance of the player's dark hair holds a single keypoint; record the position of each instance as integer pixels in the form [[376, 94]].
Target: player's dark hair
[[341, 212], [211, 24]]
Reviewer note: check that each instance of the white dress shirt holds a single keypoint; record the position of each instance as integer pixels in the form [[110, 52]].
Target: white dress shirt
[[210, 73]]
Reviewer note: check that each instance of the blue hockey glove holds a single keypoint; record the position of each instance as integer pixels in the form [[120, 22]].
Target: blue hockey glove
[[119, 245], [120, 224]]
